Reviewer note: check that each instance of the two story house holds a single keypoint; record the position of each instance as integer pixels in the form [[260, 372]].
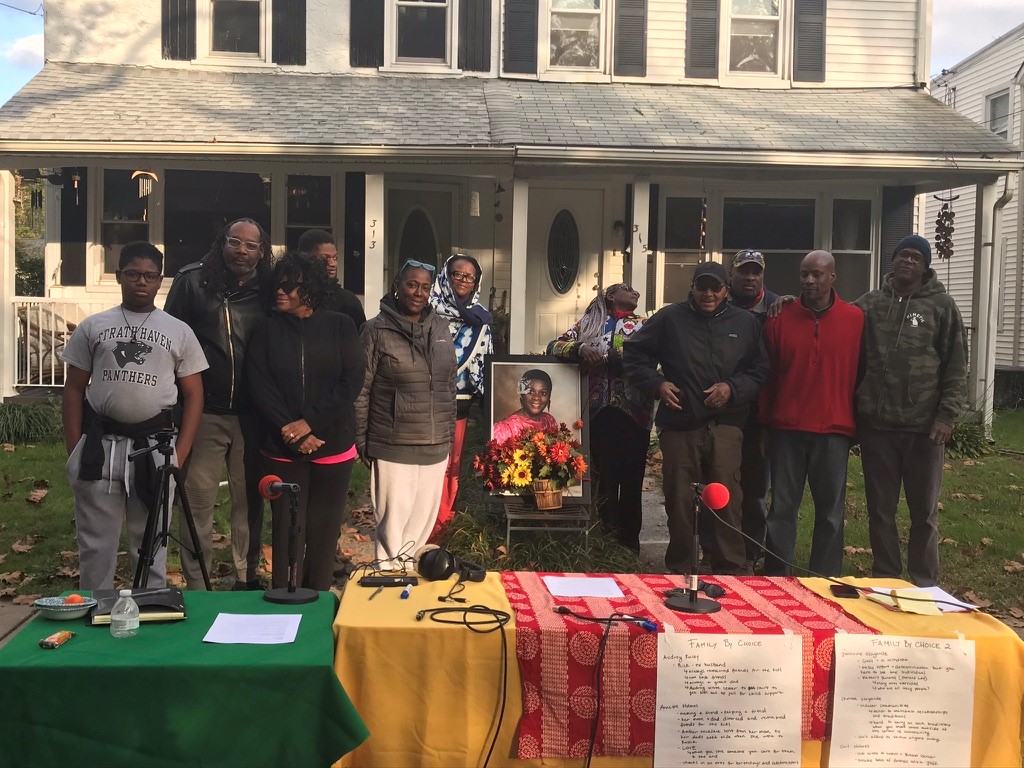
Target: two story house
[[566, 144]]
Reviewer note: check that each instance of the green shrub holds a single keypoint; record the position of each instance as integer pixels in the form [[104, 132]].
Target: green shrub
[[967, 441], [35, 423]]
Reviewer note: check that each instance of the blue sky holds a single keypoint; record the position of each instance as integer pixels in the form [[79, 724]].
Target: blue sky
[[960, 28]]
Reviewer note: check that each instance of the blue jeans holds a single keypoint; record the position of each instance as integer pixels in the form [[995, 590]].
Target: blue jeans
[[820, 461]]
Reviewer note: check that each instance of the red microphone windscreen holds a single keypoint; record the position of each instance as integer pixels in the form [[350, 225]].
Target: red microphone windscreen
[[265, 486], [715, 496]]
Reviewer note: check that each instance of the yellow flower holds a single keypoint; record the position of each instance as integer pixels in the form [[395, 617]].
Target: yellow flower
[[507, 476], [522, 477], [519, 457]]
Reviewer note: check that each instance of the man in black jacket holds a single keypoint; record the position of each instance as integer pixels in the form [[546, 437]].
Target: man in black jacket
[[317, 242], [223, 298], [713, 363]]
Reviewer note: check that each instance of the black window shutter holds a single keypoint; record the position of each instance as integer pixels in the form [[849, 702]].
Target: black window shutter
[[366, 28], [520, 44], [702, 38], [631, 38], [288, 37], [897, 222], [652, 243], [809, 41], [178, 29], [475, 35]]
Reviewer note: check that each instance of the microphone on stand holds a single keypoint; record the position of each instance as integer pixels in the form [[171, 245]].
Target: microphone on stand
[[272, 487], [714, 496]]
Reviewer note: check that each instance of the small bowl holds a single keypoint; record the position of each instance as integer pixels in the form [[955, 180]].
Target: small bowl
[[56, 609]]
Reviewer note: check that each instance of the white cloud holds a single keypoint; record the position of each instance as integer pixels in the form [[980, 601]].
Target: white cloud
[[960, 28], [24, 52]]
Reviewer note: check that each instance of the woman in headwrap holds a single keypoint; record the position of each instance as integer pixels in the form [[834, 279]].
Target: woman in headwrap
[[455, 297], [534, 401], [620, 419]]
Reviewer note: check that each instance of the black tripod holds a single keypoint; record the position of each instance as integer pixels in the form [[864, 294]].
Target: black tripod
[[151, 540]]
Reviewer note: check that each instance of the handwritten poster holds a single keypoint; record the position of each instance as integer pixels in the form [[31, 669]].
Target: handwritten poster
[[902, 701], [728, 700]]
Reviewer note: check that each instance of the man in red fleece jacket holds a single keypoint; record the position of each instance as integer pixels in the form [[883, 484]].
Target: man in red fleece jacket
[[814, 348]]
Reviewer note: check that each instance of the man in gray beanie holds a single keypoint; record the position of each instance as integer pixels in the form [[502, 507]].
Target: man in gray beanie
[[913, 391]]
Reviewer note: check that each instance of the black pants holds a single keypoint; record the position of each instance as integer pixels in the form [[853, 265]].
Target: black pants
[[618, 447], [321, 510]]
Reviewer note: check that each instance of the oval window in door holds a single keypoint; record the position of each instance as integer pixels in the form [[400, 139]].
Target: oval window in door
[[418, 240], [563, 252]]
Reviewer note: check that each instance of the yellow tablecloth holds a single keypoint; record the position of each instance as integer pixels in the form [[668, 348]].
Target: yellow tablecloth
[[429, 693]]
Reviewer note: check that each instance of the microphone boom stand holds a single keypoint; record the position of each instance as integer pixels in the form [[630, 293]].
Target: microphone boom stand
[[692, 603], [292, 594]]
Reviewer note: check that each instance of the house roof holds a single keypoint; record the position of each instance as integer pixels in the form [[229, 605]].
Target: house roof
[[100, 104]]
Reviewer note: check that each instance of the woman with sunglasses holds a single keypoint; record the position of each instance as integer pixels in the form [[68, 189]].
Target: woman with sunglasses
[[620, 418], [406, 414], [456, 297], [305, 369]]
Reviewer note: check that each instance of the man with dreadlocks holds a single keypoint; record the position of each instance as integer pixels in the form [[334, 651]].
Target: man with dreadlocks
[[222, 298], [620, 418]]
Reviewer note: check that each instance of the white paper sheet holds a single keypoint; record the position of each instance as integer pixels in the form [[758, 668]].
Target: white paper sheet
[[253, 629], [938, 593], [728, 700], [582, 586], [904, 701]]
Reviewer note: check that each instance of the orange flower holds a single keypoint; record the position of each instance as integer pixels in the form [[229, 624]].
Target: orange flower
[[560, 452], [578, 424], [579, 466]]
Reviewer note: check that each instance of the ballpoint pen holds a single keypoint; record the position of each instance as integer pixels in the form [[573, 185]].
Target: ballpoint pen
[[377, 592]]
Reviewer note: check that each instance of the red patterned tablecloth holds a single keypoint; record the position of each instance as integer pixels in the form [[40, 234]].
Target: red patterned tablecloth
[[558, 656]]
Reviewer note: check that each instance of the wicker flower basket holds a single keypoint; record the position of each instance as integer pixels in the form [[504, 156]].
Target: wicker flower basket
[[545, 496]]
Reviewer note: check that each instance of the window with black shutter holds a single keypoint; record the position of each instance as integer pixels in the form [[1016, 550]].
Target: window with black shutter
[[702, 38], [809, 41], [631, 38], [475, 35], [288, 43], [366, 28], [178, 29], [520, 36]]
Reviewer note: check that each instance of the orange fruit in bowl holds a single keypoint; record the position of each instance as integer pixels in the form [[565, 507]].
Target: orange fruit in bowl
[[73, 600]]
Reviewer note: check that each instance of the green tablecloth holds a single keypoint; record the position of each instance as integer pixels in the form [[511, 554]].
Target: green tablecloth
[[165, 698]]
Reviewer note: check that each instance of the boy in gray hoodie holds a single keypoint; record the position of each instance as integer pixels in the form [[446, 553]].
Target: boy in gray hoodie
[[914, 389]]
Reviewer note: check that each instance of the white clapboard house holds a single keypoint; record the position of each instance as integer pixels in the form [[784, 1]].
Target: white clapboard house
[[565, 143], [988, 88]]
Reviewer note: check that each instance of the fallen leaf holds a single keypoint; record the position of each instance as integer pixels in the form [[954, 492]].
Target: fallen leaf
[[981, 602], [36, 496], [26, 599], [7, 592], [1012, 566], [67, 570], [986, 542], [501, 549], [958, 495], [947, 466], [361, 537], [41, 483], [1015, 611], [975, 496], [220, 541], [268, 556], [347, 554], [68, 554], [23, 546], [941, 506], [27, 579], [175, 580], [856, 551], [969, 462], [1013, 487], [849, 485], [9, 447], [948, 540], [10, 578]]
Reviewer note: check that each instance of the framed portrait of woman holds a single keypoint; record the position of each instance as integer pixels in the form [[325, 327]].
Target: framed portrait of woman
[[530, 392]]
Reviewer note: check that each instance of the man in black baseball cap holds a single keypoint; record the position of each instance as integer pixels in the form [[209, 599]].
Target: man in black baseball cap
[[712, 364]]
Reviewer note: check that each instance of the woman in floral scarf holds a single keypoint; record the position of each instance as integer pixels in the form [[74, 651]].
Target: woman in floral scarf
[[456, 297]]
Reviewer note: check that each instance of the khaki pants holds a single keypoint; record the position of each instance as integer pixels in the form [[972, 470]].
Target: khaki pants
[[232, 439], [710, 454], [405, 499]]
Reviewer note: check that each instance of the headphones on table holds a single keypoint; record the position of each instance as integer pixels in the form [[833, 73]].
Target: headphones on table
[[434, 563]]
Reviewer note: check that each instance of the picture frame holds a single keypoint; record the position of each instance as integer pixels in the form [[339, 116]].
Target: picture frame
[[568, 404]]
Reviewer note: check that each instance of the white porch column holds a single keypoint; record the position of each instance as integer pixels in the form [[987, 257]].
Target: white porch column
[[984, 307], [373, 243], [8, 324], [517, 295], [639, 240]]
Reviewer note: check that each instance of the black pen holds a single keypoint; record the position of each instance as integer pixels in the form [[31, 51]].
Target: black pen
[[379, 590]]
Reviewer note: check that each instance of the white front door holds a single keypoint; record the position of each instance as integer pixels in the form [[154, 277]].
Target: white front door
[[564, 247]]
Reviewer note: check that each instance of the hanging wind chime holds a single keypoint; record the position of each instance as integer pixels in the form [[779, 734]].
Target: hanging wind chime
[[944, 228], [146, 179]]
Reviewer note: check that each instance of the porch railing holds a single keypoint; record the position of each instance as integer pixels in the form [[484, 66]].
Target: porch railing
[[43, 327]]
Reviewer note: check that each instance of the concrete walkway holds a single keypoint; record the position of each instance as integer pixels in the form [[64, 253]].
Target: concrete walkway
[[12, 618]]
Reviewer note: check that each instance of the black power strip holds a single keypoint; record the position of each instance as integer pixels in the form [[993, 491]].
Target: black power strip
[[388, 581]]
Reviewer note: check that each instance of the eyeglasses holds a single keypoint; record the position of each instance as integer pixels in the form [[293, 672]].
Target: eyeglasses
[[417, 265], [911, 256], [464, 277], [134, 276], [250, 247], [712, 285], [288, 285]]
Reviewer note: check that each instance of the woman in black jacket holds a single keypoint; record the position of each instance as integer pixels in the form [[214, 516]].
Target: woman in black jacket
[[305, 369]]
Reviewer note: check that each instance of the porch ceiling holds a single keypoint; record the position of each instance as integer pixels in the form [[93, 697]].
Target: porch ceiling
[[105, 110]]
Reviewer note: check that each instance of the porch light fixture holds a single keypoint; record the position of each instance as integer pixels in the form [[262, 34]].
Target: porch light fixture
[[146, 179]]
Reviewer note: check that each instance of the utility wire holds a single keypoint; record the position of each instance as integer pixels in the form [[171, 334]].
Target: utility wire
[[37, 12]]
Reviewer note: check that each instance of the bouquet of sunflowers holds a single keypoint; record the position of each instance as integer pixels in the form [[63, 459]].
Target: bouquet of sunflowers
[[535, 455]]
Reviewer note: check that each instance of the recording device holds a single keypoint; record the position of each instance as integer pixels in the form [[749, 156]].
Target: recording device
[[388, 581], [715, 496], [844, 590], [271, 487]]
